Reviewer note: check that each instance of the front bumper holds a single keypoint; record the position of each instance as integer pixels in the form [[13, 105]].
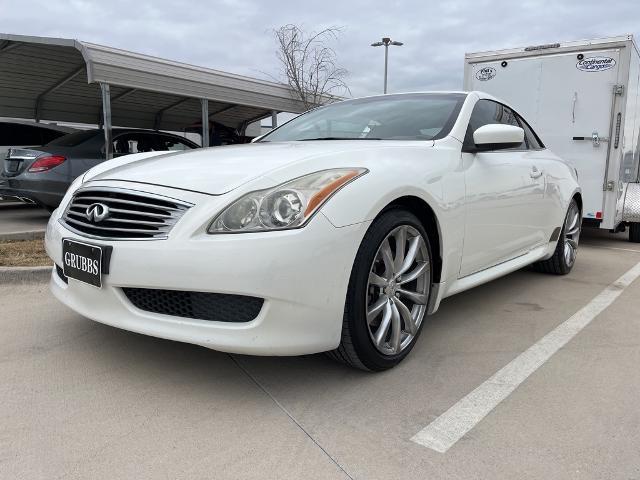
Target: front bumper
[[302, 275]]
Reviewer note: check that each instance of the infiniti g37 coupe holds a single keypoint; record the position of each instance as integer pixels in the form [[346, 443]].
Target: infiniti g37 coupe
[[338, 232]]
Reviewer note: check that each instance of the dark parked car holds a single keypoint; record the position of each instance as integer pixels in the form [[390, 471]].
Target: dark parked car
[[43, 174], [28, 133]]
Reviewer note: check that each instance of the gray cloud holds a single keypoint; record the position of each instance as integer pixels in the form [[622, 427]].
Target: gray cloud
[[235, 35]]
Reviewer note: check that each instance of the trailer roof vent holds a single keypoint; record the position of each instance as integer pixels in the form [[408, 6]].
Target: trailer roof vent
[[542, 47]]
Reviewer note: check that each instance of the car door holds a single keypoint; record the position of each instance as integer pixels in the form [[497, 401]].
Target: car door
[[504, 191]]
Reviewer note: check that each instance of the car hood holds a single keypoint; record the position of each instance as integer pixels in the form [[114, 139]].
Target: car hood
[[219, 170]]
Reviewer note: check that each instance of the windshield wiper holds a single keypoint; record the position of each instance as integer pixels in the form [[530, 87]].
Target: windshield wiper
[[338, 138]]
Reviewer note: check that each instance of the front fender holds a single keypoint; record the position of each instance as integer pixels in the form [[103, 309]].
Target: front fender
[[437, 180]]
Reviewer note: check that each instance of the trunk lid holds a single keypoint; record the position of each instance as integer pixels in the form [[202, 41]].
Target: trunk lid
[[18, 160]]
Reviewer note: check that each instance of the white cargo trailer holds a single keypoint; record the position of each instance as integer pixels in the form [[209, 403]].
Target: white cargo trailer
[[582, 99]]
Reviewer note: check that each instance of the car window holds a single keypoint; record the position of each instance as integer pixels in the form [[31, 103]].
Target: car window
[[488, 112], [138, 142], [125, 144], [49, 135], [75, 139], [533, 141], [16, 134], [134, 142], [172, 143], [389, 117]]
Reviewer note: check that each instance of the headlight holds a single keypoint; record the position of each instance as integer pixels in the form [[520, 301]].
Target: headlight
[[289, 205]]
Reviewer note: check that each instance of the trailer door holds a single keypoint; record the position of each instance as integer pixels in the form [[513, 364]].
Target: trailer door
[[575, 101], [515, 81]]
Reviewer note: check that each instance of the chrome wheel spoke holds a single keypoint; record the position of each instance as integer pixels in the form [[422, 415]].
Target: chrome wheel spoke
[[387, 258], [401, 239], [415, 273], [573, 231], [414, 244], [573, 226], [377, 280], [381, 334], [415, 297], [376, 308], [405, 314], [396, 329]]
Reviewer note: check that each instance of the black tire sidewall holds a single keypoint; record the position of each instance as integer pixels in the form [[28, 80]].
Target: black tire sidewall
[[356, 295]]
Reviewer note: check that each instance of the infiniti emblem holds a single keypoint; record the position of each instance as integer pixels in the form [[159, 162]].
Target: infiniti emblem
[[97, 212]]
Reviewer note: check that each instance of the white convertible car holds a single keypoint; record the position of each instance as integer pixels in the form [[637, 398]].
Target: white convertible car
[[338, 232]]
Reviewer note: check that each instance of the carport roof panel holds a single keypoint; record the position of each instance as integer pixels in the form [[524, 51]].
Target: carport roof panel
[[133, 70]]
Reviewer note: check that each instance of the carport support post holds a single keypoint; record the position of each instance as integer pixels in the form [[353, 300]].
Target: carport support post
[[106, 120], [274, 119], [205, 122]]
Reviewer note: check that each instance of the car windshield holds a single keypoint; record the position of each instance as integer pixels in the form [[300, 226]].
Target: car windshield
[[74, 139], [390, 117]]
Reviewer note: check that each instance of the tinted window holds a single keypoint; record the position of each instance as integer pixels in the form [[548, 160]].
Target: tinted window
[[488, 112], [171, 143], [16, 134], [75, 139], [49, 135], [390, 117], [138, 142], [532, 139], [134, 142]]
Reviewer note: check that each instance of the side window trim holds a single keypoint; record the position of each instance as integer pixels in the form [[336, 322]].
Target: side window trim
[[519, 120]]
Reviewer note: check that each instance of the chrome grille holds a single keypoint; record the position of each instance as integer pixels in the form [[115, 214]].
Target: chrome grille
[[131, 215]]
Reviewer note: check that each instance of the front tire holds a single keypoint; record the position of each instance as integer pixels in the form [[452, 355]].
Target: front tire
[[388, 293], [564, 256]]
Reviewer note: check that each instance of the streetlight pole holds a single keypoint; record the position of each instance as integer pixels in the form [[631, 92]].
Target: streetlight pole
[[386, 41]]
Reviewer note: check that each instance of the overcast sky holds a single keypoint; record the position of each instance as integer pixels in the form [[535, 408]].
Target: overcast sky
[[235, 35]]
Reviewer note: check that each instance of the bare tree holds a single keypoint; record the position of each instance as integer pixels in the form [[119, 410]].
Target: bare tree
[[309, 64]]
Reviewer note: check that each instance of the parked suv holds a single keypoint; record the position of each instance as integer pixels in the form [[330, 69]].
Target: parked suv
[[43, 174]]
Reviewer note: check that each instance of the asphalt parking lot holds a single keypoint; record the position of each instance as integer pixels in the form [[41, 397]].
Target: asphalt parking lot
[[19, 220], [82, 400]]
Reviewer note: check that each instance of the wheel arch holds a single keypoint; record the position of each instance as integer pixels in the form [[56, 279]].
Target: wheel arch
[[578, 198], [429, 220]]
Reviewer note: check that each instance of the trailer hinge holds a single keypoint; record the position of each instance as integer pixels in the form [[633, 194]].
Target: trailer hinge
[[618, 90], [609, 186]]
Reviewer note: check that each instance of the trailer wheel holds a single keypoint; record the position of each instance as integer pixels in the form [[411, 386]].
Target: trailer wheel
[[634, 232]]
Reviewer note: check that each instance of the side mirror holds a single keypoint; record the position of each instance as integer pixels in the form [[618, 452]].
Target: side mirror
[[497, 137]]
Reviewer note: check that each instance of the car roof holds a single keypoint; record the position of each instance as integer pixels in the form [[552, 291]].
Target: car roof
[[33, 123]]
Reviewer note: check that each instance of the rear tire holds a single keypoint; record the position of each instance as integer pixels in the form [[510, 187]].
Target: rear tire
[[388, 293], [634, 232], [564, 256]]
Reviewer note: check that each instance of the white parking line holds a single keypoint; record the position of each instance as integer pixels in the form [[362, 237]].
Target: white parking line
[[612, 248], [451, 426]]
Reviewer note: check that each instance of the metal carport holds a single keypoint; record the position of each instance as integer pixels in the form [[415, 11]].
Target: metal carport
[[73, 81]]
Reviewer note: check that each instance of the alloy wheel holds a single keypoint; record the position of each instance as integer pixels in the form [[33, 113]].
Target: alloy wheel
[[572, 227], [398, 290]]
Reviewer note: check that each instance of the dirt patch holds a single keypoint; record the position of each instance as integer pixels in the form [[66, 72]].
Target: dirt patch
[[23, 253]]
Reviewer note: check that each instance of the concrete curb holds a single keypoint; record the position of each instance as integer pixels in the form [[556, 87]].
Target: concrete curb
[[28, 235], [18, 275]]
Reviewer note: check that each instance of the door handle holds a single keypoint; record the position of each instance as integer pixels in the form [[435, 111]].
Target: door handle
[[535, 173], [595, 139]]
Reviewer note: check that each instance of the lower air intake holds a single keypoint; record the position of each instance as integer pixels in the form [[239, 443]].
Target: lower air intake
[[215, 307]]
